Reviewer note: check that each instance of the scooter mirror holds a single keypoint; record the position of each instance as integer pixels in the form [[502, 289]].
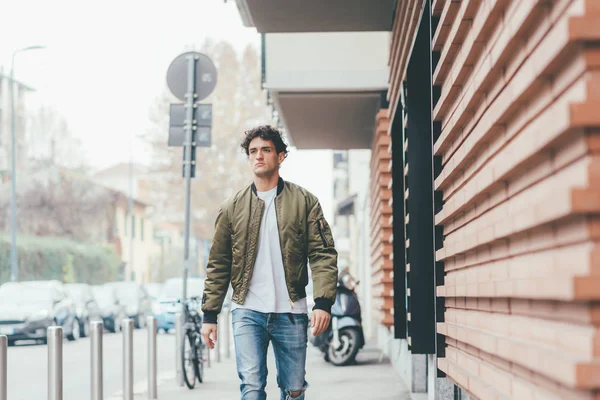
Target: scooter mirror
[[349, 282]]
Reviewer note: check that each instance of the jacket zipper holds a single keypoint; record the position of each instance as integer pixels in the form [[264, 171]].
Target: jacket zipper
[[280, 245], [321, 233], [249, 268]]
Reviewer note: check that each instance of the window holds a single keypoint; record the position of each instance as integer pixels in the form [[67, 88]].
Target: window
[[339, 157], [133, 226], [142, 229], [115, 224]]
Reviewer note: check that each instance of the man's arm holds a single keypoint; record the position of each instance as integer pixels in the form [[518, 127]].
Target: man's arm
[[218, 271], [322, 257]]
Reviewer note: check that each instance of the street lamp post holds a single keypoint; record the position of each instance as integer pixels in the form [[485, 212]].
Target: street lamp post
[[14, 267]]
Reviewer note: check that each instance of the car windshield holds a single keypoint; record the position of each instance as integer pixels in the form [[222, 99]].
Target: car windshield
[[127, 292], [104, 296], [173, 288], [25, 294], [76, 291], [153, 290]]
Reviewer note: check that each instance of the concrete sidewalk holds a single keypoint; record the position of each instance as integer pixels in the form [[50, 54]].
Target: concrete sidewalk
[[367, 379]]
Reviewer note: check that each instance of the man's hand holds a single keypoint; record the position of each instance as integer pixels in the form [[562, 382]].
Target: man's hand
[[209, 330], [319, 321]]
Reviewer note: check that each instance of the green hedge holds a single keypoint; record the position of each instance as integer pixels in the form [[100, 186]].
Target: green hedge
[[43, 258]]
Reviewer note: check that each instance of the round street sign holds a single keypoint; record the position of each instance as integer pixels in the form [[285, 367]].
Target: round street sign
[[206, 75]]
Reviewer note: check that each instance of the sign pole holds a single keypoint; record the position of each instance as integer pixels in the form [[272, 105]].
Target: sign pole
[[191, 77], [189, 138]]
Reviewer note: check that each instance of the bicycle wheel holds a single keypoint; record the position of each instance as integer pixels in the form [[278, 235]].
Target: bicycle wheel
[[188, 359]]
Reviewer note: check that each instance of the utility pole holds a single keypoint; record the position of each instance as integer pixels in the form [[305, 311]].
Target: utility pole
[[14, 266], [131, 222]]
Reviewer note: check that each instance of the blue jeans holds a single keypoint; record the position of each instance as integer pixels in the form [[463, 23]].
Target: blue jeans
[[252, 331]]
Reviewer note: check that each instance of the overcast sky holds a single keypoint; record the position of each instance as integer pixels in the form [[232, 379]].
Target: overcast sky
[[106, 62]]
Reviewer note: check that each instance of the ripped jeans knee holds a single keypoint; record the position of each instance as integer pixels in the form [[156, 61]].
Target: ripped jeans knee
[[295, 394]]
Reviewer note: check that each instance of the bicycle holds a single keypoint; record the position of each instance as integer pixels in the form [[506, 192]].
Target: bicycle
[[194, 351]]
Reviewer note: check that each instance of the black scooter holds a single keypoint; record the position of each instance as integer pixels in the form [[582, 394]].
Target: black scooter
[[344, 337]]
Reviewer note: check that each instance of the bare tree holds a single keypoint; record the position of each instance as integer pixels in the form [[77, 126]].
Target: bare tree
[[49, 140], [58, 202]]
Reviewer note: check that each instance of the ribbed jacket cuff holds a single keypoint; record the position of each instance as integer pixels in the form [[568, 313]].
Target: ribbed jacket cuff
[[211, 317], [324, 304]]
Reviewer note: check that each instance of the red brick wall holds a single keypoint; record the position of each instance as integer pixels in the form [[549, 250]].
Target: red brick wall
[[381, 224], [520, 146]]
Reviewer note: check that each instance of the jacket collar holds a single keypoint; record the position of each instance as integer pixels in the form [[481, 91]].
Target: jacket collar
[[280, 186]]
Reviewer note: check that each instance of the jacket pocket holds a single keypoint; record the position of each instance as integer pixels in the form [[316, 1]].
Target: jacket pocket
[[323, 232]]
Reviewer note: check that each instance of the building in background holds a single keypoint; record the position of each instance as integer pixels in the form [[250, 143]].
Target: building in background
[[125, 178], [351, 198], [482, 120], [135, 235], [162, 246], [340, 224], [168, 262], [136, 244]]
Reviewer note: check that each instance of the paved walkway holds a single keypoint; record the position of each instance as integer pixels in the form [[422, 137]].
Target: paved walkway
[[368, 379]]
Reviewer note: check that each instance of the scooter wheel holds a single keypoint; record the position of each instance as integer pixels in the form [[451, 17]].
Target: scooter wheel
[[348, 347]]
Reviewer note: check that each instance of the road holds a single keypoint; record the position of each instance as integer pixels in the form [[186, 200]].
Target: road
[[28, 373]]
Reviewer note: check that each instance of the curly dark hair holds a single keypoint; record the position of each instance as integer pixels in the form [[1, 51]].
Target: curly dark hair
[[265, 132]]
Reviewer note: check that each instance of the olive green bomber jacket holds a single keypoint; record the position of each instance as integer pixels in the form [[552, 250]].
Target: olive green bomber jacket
[[304, 236]]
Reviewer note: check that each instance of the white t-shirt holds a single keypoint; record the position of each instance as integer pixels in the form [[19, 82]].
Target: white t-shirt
[[268, 292]]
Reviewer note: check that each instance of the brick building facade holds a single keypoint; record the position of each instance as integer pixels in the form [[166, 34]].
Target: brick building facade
[[485, 202], [513, 88]]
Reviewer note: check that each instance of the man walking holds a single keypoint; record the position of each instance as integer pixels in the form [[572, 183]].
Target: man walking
[[264, 236]]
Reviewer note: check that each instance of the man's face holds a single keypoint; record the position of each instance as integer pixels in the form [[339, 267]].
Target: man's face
[[263, 157]]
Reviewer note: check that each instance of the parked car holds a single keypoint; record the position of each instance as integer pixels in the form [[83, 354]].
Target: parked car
[[137, 304], [27, 309], [111, 309], [169, 301], [86, 306]]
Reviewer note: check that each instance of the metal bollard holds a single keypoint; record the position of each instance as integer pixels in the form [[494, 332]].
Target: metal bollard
[[55, 363], [218, 346], [3, 367], [152, 386], [178, 347], [208, 351], [96, 357], [127, 359]]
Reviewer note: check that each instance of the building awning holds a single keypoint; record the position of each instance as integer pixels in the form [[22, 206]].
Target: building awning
[[338, 121], [270, 16], [327, 87]]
